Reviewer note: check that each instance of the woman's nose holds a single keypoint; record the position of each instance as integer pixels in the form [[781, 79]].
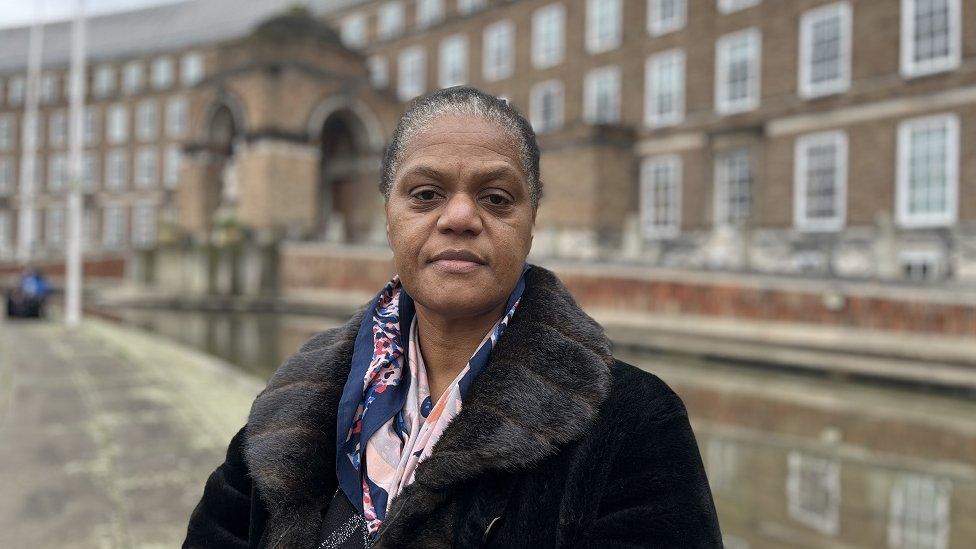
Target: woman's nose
[[460, 215]]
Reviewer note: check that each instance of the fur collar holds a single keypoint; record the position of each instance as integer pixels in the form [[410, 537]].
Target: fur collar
[[542, 387]]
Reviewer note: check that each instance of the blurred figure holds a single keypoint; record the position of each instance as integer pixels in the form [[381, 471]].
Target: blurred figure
[[28, 298]]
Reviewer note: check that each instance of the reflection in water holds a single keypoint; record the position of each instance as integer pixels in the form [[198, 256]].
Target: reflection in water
[[793, 460]]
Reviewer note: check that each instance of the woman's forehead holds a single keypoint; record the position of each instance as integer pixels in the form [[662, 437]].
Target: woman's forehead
[[470, 140]]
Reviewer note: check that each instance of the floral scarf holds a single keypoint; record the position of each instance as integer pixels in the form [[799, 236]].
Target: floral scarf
[[387, 423]]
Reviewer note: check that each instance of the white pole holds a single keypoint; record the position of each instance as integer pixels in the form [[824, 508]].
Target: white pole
[[73, 259], [26, 224]]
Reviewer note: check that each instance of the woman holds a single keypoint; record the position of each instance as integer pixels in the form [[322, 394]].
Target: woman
[[472, 403]]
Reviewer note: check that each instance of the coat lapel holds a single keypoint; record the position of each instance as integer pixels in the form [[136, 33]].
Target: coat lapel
[[541, 389]]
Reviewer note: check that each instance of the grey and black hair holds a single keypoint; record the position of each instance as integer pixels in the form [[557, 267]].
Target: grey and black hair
[[467, 101]]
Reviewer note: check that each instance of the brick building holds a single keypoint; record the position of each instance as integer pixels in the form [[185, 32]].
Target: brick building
[[810, 137]]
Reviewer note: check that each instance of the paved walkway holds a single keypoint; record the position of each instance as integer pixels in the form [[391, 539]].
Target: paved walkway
[[107, 434]]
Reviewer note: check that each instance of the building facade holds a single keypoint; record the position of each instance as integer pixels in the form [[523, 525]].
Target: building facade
[[811, 137]]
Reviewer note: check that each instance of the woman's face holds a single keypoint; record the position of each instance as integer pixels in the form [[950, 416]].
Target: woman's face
[[459, 217]]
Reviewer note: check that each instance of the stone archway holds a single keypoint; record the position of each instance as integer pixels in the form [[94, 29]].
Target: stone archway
[[341, 149], [223, 142]]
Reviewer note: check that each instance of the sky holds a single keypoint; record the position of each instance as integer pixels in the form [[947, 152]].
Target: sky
[[17, 13]]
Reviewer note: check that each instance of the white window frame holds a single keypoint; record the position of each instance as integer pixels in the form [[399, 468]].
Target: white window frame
[[657, 26], [535, 99], [808, 88], [721, 182], [729, 6], [467, 7], [147, 120], [723, 104], [89, 171], [390, 20], [548, 25], [8, 131], [91, 129], [191, 68], [163, 73], [411, 72], [452, 61], [116, 238], [57, 128], [147, 167], [54, 225], [904, 511], [801, 182], [117, 123], [354, 30], [909, 67], [116, 160], [6, 231], [50, 90], [176, 116], [429, 13], [133, 77], [905, 129], [172, 160], [103, 81], [595, 41], [802, 464], [652, 118], [651, 227], [379, 71], [16, 88], [610, 76], [498, 50], [143, 224], [57, 172], [7, 178]]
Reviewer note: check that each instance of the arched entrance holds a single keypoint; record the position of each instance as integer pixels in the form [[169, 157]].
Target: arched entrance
[[223, 191], [343, 147]]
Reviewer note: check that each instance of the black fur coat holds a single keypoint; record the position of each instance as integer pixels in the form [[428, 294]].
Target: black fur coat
[[557, 445]]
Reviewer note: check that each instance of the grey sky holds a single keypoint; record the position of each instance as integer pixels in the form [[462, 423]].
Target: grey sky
[[17, 13]]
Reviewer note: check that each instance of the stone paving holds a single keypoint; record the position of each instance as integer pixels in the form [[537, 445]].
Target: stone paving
[[108, 434]]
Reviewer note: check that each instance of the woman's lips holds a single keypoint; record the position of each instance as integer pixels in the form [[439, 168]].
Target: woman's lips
[[456, 266]]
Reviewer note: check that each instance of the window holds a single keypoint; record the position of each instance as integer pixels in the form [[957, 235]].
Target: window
[[176, 117], [116, 169], [601, 95], [145, 176], [379, 72], [54, 226], [144, 225], [7, 180], [147, 126], [664, 16], [728, 6], [546, 106], [113, 234], [163, 73], [411, 73], [6, 232], [171, 166], [118, 123], [919, 512], [664, 99], [132, 77], [8, 129], [499, 45], [453, 60], [91, 125], [390, 21], [603, 25], [722, 465], [49, 88], [548, 35], [820, 181], [57, 129], [733, 186], [825, 50], [353, 30], [813, 490], [928, 176], [429, 12], [15, 91], [466, 7], [89, 172], [57, 173], [660, 196], [737, 71], [104, 81], [88, 228], [191, 68], [930, 36]]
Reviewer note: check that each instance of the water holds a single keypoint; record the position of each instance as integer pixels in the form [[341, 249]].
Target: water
[[793, 460]]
